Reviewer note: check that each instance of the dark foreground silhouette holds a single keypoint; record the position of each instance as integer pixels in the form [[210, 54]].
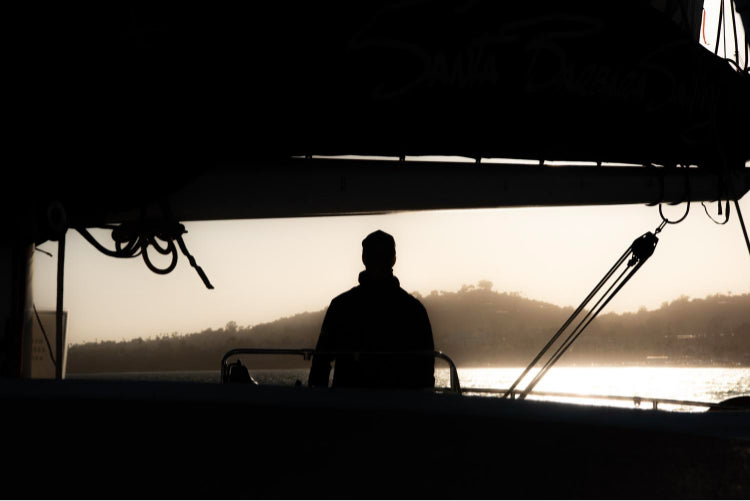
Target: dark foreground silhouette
[[247, 443]]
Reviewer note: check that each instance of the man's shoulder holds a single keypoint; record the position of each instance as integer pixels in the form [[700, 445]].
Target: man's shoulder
[[346, 296], [413, 301], [356, 294]]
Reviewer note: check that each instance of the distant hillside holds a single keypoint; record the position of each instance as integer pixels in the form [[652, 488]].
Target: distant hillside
[[474, 326]]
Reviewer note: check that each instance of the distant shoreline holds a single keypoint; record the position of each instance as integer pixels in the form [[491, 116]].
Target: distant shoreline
[[75, 375], [475, 327]]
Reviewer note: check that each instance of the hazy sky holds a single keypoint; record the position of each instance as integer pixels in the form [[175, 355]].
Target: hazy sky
[[265, 269]]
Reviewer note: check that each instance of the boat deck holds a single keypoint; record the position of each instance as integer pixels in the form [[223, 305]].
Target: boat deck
[[187, 440]]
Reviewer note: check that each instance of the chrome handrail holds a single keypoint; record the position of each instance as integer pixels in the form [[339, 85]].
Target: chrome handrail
[[655, 401], [307, 354], [455, 385]]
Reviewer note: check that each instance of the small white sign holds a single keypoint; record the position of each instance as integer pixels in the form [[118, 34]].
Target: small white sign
[[43, 346]]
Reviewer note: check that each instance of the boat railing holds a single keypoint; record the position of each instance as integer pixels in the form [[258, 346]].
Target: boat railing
[[636, 400], [455, 385], [308, 354]]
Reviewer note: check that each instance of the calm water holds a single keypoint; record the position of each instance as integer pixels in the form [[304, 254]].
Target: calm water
[[699, 384]]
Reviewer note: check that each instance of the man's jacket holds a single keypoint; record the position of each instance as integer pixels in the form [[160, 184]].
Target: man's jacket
[[376, 316]]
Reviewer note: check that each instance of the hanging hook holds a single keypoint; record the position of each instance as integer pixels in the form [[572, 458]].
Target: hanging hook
[[687, 198], [667, 221]]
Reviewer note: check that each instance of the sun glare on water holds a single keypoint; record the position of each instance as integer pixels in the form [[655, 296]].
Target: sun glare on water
[[689, 384]]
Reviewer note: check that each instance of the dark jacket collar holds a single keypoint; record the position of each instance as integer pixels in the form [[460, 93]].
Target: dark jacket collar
[[367, 280]]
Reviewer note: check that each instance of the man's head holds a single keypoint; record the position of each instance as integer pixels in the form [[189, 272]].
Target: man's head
[[379, 252]]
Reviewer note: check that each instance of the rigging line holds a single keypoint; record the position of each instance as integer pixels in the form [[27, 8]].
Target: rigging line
[[632, 272], [160, 271], [733, 194], [569, 321], [164, 204], [133, 248], [742, 224], [43, 251], [720, 180], [137, 239], [734, 63], [44, 332], [718, 31], [59, 308], [570, 339], [573, 334], [734, 28], [747, 46], [154, 241], [192, 262], [588, 314], [643, 248], [118, 253], [726, 211], [724, 31]]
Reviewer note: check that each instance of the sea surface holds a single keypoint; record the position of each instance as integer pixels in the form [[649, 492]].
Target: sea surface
[[626, 386]]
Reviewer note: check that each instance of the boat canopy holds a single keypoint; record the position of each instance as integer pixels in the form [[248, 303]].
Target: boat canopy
[[139, 100]]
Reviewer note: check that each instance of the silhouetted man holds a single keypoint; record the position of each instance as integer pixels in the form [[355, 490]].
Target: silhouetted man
[[376, 316]]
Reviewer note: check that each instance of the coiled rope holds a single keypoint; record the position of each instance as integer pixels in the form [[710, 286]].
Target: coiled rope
[[133, 239]]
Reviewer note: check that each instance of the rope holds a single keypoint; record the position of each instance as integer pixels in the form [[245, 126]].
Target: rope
[[192, 262], [134, 239], [570, 320], [732, 193], [726, 213], [642, 248], [60, 342], [572, 337], [43, 251], [39, 320], [736, 43], [44, 332], [742, 224], [747, 47], [565, 347], [718, 32], [722, 21]]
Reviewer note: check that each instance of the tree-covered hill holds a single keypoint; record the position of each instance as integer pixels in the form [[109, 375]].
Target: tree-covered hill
[[474, 326]]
